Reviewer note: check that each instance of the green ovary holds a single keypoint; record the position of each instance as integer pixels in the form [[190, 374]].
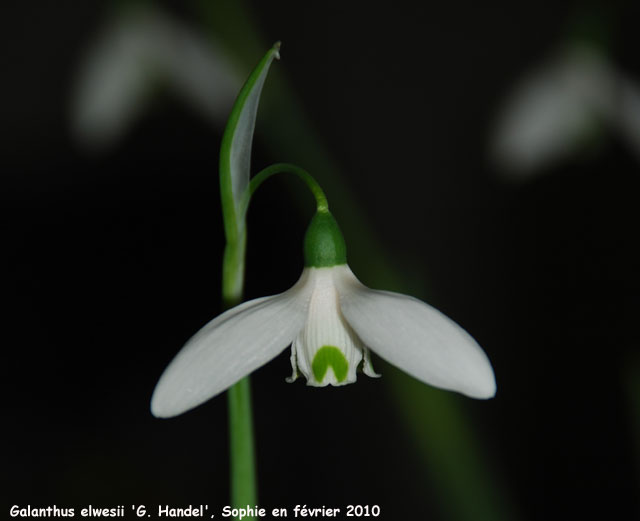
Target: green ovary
[[329, 356]]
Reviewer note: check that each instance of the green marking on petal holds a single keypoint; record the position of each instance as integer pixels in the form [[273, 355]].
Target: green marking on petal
[[329, 356]]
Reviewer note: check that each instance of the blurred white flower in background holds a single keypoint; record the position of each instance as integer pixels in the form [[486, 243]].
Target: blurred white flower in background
[[137, 51], [559, 106]]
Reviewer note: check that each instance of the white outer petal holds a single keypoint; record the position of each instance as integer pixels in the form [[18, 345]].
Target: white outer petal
[[228, 348], [416, 338]]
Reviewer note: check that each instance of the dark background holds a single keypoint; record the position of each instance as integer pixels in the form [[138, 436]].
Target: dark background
[[113, 261]]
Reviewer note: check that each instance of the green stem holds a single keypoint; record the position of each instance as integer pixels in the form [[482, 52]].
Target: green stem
[[241, 445], [287, 168]]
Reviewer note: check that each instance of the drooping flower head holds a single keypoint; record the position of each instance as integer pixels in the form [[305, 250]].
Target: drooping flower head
[[332, 322]]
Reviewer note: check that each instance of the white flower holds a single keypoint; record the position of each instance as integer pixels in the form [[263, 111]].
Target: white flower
[[558, 107], [332, 321], [136, 51]]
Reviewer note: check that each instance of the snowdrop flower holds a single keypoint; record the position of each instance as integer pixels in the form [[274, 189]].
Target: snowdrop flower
[[331, 321], [554, 111], [136, 51]]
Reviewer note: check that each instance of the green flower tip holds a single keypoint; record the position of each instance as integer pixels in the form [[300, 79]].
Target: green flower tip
[[323, 243]]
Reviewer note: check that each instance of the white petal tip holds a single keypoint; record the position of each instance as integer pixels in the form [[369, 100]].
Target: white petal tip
[[173, 397], [484, 394], [158, 412], [161, 409], [483, 387]]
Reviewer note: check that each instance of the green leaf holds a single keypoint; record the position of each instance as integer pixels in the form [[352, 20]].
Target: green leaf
[[235, 151]]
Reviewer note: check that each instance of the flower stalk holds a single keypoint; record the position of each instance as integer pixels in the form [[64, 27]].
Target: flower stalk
[[281, 168]]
